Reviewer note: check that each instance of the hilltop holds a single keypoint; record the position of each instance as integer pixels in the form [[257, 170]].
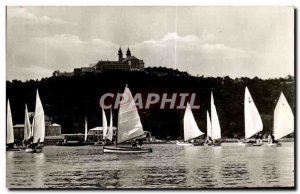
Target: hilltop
[[67, 100]]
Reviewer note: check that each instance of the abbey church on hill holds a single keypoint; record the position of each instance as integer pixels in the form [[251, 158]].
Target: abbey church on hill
[[130, 63]]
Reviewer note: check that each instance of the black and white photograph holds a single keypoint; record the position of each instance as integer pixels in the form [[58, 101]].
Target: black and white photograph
[[150, 97]]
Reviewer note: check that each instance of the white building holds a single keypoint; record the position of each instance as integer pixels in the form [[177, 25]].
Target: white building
[[98, 132]]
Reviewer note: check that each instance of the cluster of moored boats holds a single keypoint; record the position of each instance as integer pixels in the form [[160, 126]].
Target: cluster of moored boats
[[130, 126], [283, 124], [33, 135]]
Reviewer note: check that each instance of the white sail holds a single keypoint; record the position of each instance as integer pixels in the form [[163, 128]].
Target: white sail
[[39, 121], [208, 125], [104, 123], [283, 118], [253, 122], [215, 124], [129, 123], [32, 126], [9, 126], [109, 134], [27, 126], [85, 130], [190, 127]]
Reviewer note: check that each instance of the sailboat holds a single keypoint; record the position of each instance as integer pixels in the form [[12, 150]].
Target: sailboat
[[27, 130], [129, 126], [208, 129], [104, 124], [283, 120], [38, 127], [10, 141], [190, 128], [86, 142], [253, 122], [104, 130], [213, 125], [109, 134], [27, 126], [78, 141], [85, 130]]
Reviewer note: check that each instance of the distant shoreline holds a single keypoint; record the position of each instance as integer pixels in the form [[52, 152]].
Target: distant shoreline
[[229, 140]]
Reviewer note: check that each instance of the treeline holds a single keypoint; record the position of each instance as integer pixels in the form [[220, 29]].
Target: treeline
[[68, 100]]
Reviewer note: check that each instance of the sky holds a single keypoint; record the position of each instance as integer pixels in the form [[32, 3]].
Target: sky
[[208, 41]]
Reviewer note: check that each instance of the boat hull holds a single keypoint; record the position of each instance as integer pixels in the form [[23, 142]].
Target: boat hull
[[33, 150], [249, 144], [257, 144], [74, 143], [274, 144], [212, 144], [12, 149], [183, 143], [126, 150], [198, 144], [245, 144]]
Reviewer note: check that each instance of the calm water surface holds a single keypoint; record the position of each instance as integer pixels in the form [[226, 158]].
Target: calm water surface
[[169, 166]]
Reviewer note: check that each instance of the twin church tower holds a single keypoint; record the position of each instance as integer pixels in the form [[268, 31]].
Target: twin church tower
[[130, 63]]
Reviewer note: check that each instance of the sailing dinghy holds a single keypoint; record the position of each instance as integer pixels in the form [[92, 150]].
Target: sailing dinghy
[[10, 141], [86, 142], [38, 127], [27, 130], [190, 128], [104, 130], [129, 126], [283, 120], [27, 126], [214, 124], [253, 122], [208, 130], [109, 132], [85, 130]]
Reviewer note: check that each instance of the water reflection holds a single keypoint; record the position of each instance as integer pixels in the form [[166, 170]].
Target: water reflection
[[270, 172], [38, 168], [169, 166], [169, 177], [235, 173]]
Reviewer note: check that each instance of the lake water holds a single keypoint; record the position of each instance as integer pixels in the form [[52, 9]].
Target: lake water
[[169, 166]]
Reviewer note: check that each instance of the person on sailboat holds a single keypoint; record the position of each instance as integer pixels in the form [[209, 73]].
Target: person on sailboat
[[10, 146], [140, 143], [260, 137], [273, 139], [208, 140], [269, 138], [256, 138], [134, 144]]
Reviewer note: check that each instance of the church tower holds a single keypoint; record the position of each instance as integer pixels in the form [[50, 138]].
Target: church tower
[[120, 54], [128, 53]]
